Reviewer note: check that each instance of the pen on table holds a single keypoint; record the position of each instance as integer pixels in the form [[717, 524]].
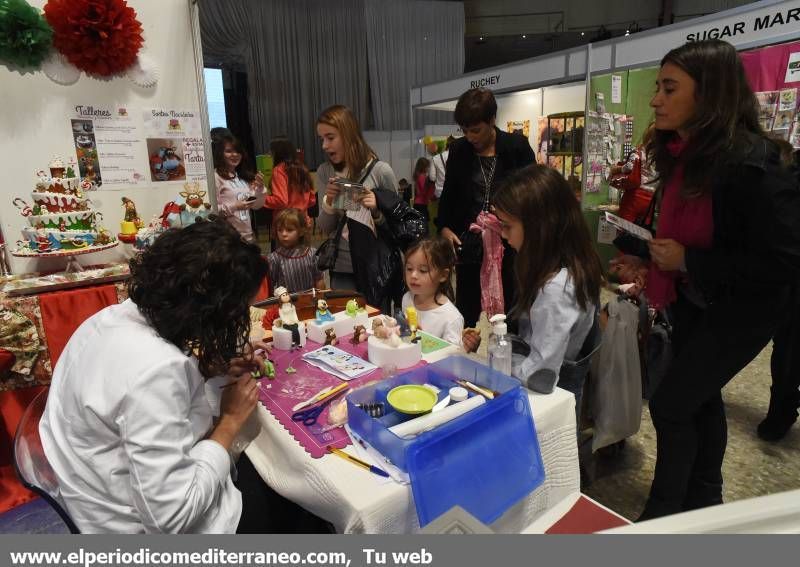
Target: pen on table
[[358, 462]]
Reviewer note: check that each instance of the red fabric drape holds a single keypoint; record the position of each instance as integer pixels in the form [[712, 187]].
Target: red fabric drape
[[766, 68], [64, 311], [12, 404]]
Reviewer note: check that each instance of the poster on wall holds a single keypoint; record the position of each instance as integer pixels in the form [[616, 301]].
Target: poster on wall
[[174, 145], [519, 127], [107, 146], [778, 114], [793, 68]]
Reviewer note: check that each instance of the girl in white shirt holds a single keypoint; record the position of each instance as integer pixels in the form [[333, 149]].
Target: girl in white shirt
[[239, 191], [558, 276], [428, 273]]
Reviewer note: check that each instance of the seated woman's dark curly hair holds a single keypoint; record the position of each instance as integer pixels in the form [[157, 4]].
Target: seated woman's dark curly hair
[[194, 285]]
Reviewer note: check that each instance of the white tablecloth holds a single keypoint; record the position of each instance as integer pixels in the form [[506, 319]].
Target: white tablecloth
[[357, 501]]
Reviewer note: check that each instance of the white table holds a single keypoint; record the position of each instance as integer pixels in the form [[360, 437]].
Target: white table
[[356, 501]]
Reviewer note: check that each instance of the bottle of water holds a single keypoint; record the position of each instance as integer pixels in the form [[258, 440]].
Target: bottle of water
[[499, 346]]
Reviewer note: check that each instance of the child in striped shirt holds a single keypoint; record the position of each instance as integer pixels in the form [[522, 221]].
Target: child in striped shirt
[[293, 265]]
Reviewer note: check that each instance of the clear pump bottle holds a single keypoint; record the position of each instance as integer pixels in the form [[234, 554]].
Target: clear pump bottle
[[499, 346]]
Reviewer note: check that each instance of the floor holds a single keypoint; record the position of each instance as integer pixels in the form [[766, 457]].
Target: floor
[[752, 467], [36, 517]]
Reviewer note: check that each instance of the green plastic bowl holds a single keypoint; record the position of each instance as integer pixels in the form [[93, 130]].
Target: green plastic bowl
[[412, 399]]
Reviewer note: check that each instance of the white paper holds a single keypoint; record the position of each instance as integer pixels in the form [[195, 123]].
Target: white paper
[[108, 146], [338, 362], [793, 68], [629, 227], [606, 232], [616, 89], [600, 103], [174, 145]]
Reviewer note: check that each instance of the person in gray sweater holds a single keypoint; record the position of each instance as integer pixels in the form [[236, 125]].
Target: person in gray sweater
[[350, 157]]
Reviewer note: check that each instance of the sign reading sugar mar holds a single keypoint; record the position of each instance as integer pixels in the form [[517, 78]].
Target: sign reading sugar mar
[[786, 17]]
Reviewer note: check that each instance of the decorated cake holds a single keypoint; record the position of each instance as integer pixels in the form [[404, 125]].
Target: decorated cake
[[61, 217]]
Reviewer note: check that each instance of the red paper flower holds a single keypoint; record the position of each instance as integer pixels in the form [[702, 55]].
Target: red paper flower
[[100, 37]]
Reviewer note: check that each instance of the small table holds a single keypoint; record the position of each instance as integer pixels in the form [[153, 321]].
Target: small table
[[356, 501]]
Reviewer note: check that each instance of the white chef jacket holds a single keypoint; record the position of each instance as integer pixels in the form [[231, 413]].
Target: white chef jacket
[[124, 430]]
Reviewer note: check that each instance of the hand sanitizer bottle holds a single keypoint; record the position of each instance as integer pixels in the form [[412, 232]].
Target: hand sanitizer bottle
[[499, 346]]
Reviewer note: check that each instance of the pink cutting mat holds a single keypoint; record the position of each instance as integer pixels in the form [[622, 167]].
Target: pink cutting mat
[[287, 390]]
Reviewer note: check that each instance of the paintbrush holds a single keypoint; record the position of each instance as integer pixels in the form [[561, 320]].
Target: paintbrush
[[358, 462], [488, 394]]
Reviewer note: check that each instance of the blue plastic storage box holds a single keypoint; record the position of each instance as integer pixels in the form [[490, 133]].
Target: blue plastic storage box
[[485, 461]]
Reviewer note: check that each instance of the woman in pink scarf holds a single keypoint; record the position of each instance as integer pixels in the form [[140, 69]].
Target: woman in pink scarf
[[713, 263]]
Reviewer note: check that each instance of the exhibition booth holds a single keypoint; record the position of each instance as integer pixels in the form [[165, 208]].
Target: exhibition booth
[[620, 74], [102, 160]]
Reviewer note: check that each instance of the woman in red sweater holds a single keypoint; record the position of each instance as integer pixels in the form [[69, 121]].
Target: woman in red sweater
[[291, 185], [424, 188]]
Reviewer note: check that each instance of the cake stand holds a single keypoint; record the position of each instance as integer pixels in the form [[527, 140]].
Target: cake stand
[[72, 262]]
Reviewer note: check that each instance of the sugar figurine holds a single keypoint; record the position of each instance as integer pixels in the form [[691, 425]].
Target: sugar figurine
[[351, 308], [288, 315], [359, 334], [411, 317], [386, 328], [330, 337], [323, 313]]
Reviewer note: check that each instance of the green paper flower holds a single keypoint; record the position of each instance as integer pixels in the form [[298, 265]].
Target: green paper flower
[[25, 36]]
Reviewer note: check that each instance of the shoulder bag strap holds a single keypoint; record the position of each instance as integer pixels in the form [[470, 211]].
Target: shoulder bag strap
[[370, 165]]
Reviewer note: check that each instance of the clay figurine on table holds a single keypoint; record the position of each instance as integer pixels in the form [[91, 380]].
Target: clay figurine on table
[[411, 317], [387, 329], [288, 315], [359, 334], [330, 337], [268, 371], [352, 308], [323, 313]]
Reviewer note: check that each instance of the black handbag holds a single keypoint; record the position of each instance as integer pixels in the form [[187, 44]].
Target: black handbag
[[657, 353], [406, 224], [328, 251]]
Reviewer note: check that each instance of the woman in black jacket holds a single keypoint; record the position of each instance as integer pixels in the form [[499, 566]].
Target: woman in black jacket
[[719, 263], [481, 159]]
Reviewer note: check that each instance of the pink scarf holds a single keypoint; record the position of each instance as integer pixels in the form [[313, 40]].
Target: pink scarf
[[488, 225], [688, 221]]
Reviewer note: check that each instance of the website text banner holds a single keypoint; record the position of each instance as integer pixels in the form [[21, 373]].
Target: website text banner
[[394, 551]]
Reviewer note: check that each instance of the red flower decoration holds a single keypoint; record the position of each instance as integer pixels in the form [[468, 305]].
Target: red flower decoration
[[100, 37]]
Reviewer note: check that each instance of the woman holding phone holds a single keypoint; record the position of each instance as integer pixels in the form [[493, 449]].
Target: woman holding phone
[[238, 189], [350, 160]]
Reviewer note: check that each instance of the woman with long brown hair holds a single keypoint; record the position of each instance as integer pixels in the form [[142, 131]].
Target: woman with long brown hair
[[558, 276], [718, 263], [239, 190], [374, 268]]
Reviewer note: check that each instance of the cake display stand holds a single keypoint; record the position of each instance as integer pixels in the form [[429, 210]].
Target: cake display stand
[[72, 262]]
